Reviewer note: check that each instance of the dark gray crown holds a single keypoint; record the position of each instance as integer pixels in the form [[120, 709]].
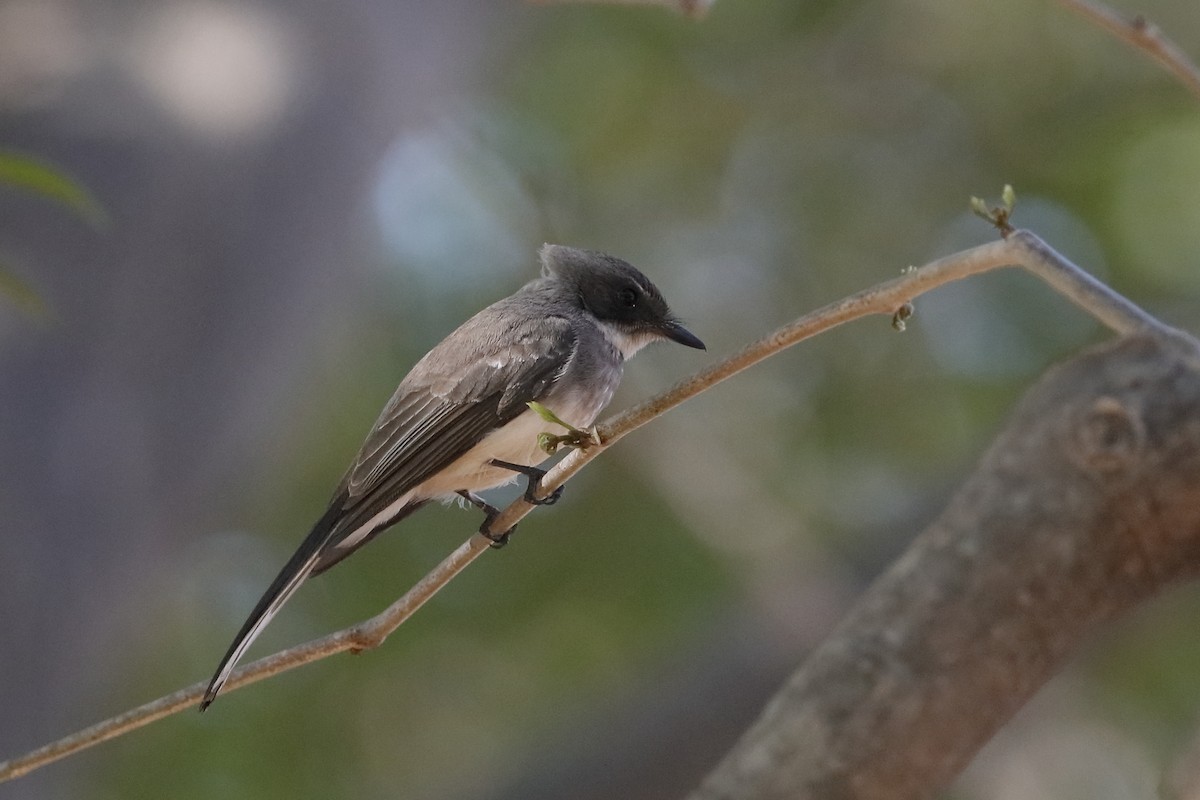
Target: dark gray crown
[[615, 291]]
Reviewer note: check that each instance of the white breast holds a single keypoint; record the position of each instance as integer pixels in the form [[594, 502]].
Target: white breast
[[516, 442]]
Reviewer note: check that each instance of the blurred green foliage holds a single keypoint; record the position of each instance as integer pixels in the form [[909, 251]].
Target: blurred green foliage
[[764, 161], [37, 177], [775, 156]]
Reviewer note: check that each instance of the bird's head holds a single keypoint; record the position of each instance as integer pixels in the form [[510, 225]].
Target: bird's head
[[630, 309]]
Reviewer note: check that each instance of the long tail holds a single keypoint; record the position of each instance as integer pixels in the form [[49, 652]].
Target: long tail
[[298, 567]]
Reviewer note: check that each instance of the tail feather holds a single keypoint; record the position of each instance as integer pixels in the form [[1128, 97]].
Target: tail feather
[[298, 567], [339, 550]]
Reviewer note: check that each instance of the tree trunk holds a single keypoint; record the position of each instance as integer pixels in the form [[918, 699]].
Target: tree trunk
[[1086, 504]]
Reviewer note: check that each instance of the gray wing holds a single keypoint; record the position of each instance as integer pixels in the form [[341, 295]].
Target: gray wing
[[479, 378], [449, 402]]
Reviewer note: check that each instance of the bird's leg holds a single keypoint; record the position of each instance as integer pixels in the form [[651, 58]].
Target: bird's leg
[[534, 486], [490, 513]]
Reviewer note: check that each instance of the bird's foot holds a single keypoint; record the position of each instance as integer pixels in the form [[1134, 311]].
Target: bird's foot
[[496, 541], [534, 487], [490, 512]]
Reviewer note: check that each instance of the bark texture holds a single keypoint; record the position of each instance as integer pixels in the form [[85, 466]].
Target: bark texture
[[1086, 504]]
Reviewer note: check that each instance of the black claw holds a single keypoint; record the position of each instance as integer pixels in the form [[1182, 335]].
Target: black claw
[[548, 500], [490, 512], [535, 476], [496, 541]]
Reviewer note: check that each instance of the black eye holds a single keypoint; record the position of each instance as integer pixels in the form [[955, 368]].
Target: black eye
[[628, 297]]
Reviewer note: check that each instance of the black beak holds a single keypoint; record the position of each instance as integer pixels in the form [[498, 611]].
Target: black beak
[[674, 331]]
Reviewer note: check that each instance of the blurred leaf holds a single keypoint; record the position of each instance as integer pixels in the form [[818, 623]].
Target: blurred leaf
[[980, 208], [1009, 196], [21, 293], [38, 177]]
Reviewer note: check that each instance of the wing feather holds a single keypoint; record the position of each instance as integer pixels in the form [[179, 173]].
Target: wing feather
[[438, 414], [462, 390]]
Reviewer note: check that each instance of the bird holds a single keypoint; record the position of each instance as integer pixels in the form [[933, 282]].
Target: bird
[[460, 421]]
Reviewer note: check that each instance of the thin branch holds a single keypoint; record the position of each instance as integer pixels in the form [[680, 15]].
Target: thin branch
[[1020, 248], [1144, 35]]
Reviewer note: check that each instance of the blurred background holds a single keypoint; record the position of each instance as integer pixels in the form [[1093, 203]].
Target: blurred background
[[303, 197]]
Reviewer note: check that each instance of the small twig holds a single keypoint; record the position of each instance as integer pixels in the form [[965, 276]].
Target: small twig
[[1020, 248], [1144, 35]]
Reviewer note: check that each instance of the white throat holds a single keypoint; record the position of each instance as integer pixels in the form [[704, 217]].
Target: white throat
[[627, 343]]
